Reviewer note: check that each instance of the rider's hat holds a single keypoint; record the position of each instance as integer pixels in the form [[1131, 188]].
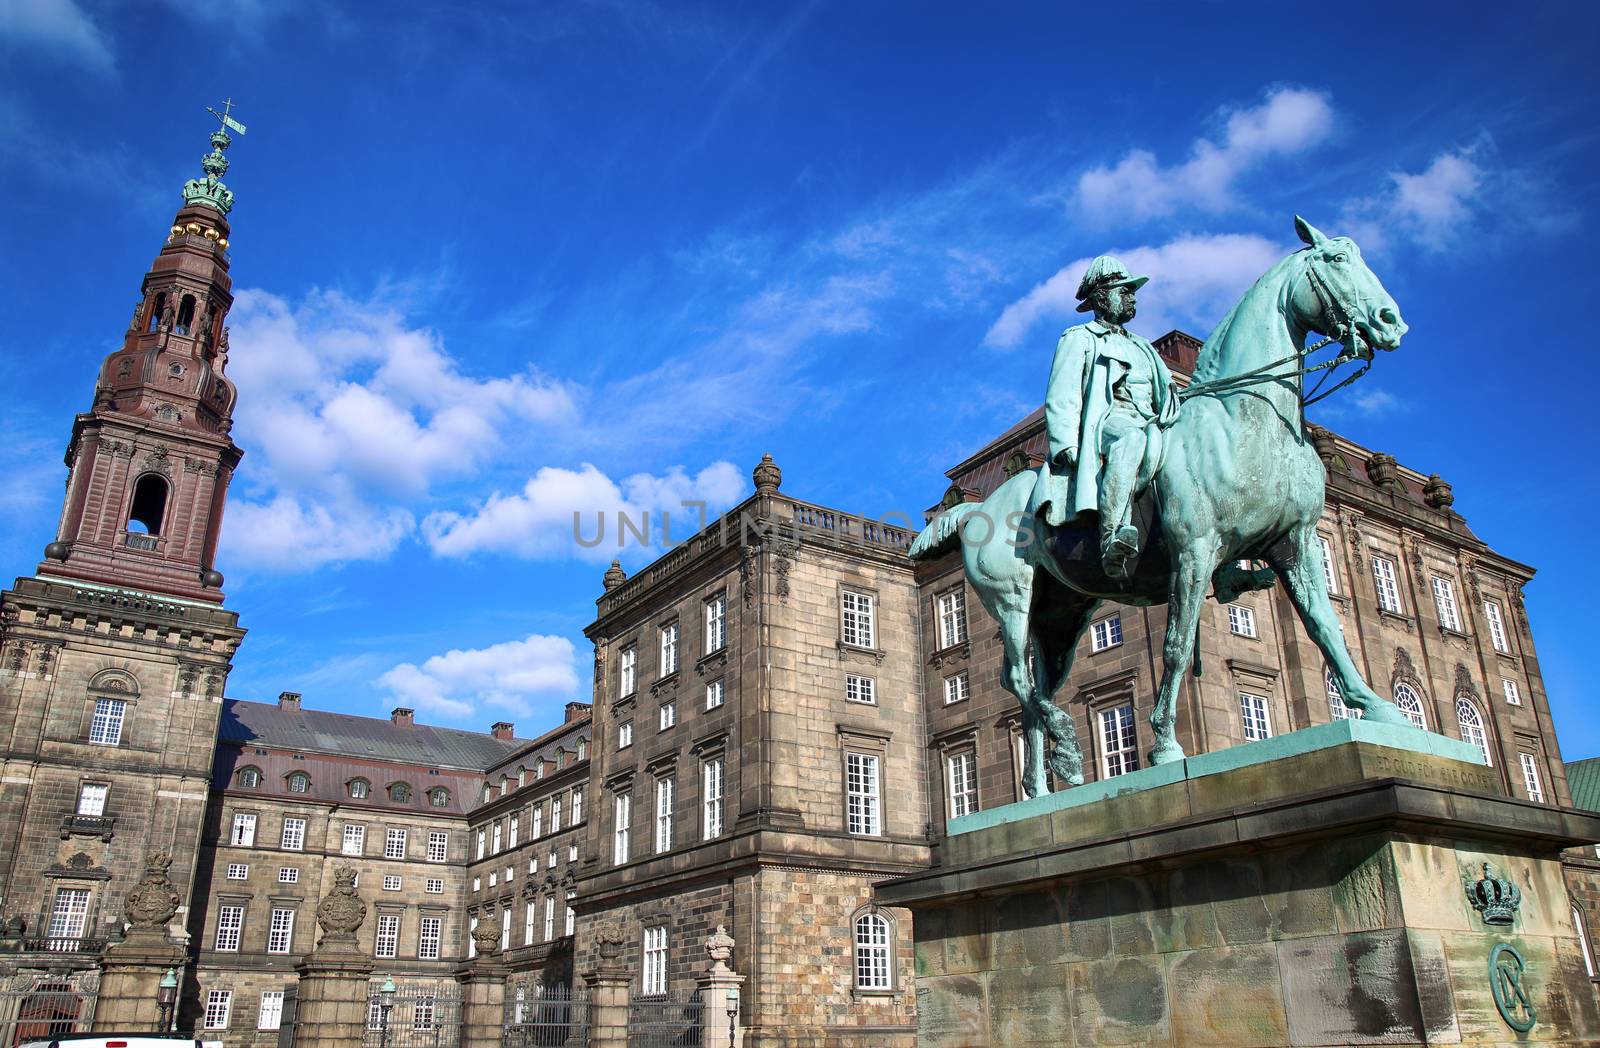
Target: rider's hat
[[1104, 271]]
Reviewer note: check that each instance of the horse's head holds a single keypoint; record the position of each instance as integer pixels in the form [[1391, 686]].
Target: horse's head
[[1341, 291]]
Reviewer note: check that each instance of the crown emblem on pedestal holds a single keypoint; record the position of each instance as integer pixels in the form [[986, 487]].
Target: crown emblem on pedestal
[[1496, 898]]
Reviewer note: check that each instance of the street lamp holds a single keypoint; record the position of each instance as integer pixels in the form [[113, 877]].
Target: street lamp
[[385, 1002], [166, 999], [733, 1014]]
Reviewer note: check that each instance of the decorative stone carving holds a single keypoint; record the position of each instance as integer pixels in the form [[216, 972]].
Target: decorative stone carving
[[153, 901], [1016, 462], [1464, 683], [1496, 899], [767, 476], [1384, 472], [1519, 605], [1327, 449], [341, 911], [782, 564], [719, 947], [953, 496], [1437, 493], [156, 460], [486, 936], [614, 576], [1403, 669], [609, 942], [119, 448], [747, 573]]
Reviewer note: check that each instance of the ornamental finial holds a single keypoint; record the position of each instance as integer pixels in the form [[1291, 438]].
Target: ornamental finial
[[209, 190]]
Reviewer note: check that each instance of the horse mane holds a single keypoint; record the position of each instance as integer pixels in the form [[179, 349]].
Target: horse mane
[[1208, 360]]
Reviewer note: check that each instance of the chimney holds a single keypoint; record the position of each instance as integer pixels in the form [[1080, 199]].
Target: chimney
[[502, 731], [577, 711], [401, 717], [289, 700]]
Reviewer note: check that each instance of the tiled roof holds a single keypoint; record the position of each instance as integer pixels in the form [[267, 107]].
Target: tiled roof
[[264, 724], [1584, 779]]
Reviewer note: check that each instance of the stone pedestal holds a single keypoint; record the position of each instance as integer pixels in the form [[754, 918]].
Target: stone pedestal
[[608, 1006], [483, 1002], [130, 977], [1297, 891], [719, 988], [331, 1003]]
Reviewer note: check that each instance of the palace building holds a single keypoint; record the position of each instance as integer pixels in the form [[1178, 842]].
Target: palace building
[[785, 710]]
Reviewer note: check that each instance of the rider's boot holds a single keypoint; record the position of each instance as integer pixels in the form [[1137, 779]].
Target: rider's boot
[[1119, 548]]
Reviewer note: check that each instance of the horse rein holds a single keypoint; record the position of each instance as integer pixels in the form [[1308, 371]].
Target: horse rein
[[1337, 317]]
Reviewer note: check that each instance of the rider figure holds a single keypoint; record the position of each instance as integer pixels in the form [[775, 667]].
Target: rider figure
[[1110, 397]]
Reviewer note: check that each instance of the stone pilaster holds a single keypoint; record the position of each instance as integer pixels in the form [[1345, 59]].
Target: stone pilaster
[[719, 994], [483, 1002], [130, 977]]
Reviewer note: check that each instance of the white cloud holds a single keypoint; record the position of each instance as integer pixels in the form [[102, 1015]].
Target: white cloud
[[540, 520], [1431, 207], [505, 675], [58, 26], [288, 534], [1194, 280], [1290, 120]]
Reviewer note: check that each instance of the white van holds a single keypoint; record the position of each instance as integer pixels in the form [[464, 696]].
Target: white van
[[121, 1040]]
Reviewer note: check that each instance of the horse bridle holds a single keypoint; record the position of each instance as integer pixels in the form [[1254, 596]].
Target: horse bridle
[[1337, 318]]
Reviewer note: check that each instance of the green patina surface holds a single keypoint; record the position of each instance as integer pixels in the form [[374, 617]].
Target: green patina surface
[[1584, 778], [1306, 740]]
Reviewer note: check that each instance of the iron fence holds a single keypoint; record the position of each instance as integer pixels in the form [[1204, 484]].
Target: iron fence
[[43, 1007], [547, 1017], [422, 1015], [660, 1022]]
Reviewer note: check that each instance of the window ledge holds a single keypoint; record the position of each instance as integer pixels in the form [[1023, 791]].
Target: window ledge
[[1448, 632], [875, 993], [1101, 651], [952, 653], [1399, 618], [875, 654]]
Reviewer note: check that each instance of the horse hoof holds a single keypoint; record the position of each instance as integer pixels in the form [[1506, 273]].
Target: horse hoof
[[1384, 712], [1075, 780], [1166, 753]]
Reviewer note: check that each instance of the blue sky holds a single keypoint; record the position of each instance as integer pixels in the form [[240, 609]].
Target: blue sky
[[494, 265]]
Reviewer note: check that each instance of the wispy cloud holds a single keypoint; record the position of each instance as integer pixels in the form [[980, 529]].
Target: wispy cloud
[[1290, 120], [59, 29], [506, 676]]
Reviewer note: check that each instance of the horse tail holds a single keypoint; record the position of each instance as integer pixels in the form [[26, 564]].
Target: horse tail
[[944, 534]]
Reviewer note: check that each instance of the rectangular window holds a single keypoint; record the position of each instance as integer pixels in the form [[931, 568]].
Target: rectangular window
[[955, 688], [861, 792], [665, 787], [572, 915], [668, 715], [627, 671], [621, 811], [1513, 696], [238, 871], [354, 841], [472, 944], [482, 838], [860, 625], [712, 797], [952, 617], [288, 875], [219, 1005], [860, 689], [294, 834], [498, 839], [1497, 626], [438, 845], [527, 923], [1383, 580], [1530, 777], [391, 883], [963, 773], [69, 913], [1328, 575], [106, 726], [388, 938], [716, 623], [270, 1015], [280, 932], [655, 961], [430, 937], [244, 830], [1241, 620], [230, 920], [669, 650], [872, 952], [536, 823], [555, 814], [1444, 599], [505, 928], [434, 886], [577, 805], [511, 834], [1257, 722], [1119, 741], [549, 917], [424, 1014], [716, 694], [494, 878], [394, 844], [1107, 633], [624, 735], [92, 798], [572, 853]]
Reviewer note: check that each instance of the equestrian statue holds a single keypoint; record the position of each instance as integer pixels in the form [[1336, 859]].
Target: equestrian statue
[[1152, 494]]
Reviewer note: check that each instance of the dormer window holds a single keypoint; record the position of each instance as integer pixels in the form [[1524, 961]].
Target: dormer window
[[359, 788], [249, 778], [400, 793], [299, 782], [439, 797]]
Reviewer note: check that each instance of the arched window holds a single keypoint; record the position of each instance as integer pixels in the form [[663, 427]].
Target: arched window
[[249, 778], [299, 782], [874, 949], [359, 788], [488, 791], [149, 505], [1336, 707], [185, 315], [154, 319], [439, 797], [1471, 722], [1405, 697], [399, 792]]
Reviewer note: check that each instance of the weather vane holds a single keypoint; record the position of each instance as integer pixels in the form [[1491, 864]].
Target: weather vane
[[227, 121]]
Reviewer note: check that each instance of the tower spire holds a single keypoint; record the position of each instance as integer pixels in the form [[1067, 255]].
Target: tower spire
[[209, 190]]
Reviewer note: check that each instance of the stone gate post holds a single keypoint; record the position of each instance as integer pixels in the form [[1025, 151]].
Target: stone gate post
[[483, 990], [131, 970], [334, 977], [608, 994], [719, 995]]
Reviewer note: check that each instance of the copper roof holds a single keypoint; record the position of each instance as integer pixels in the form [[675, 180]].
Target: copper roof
[[317, 731]]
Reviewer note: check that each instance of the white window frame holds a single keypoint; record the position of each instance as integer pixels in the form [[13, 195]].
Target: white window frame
[[386, 936], [666, 789], [483, 842], [957, 688], [529, 911], [238, 871], [624, 735], [667, 715], [713, 784], [1119, 740], [1330, 576], [577, 805], [395, 839], [497, 836], [219, 1008], [1470, 720], [1512, 693], [668, 650], [716, 694], [1530, 777], [862, 689], [92, 798], [1497, 627], [105, 727], [1106, 633], [511, 831], [549, 917], [1444, 601], [438, 845], [716, 623], [69, 913], [1410, 702], [874, 942], [433, 886], [269, 1013], [653, 973], [555, 813], [536, 822], [1242, 621], [621, 812], [430, 938], [353, 840], [280, 930], [288, 875], [952, 616], [244, 830], [1257, 716], [627, 671], [863, 794], [858, 619], [571, 924], [230, 928], [1386, 584], [293, 835], [961, 777], [392, 882], [1337, 708]]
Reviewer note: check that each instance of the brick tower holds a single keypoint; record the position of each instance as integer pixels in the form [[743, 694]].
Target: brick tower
[[113, 656]]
